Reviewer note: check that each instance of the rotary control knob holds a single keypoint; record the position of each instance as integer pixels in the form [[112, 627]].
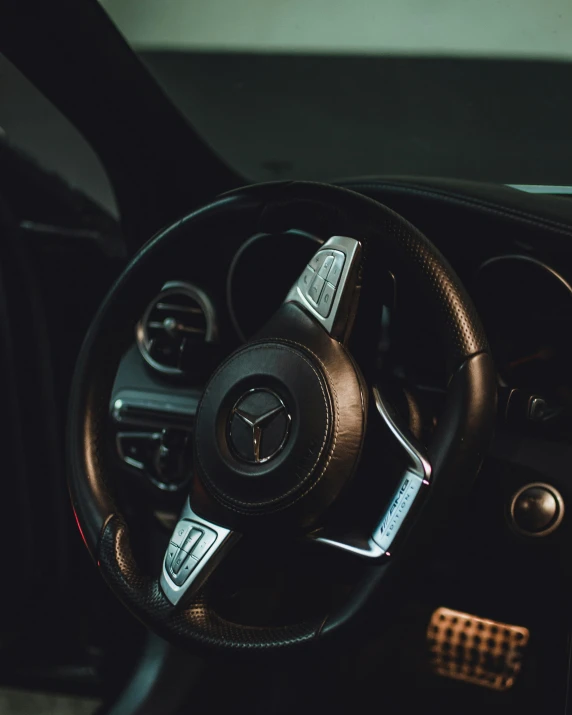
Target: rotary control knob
[[536, 509]]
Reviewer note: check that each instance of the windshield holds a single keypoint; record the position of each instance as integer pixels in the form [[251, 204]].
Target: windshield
[[327, 89]]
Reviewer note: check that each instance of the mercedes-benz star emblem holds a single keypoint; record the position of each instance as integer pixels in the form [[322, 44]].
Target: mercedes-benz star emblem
[[258, 426]]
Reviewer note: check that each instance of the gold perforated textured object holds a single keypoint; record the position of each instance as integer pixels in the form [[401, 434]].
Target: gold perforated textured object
[[475, 650]]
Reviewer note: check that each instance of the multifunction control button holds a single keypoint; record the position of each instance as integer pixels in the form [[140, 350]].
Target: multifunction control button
[[189, 543], [320, 279]]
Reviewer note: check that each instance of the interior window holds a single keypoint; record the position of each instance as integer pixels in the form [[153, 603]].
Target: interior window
[[32, 123], [316, 89]]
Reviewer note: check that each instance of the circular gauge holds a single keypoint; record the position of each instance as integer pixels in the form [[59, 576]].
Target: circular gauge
[[261, 273], [526, 307]]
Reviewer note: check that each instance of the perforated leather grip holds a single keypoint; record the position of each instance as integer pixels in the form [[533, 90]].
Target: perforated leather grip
[[197, 625]]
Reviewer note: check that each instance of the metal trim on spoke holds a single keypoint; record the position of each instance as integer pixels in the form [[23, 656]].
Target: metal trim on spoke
[[332, 272], [413, 484], [420, 465], [196, 547], [411, 489]]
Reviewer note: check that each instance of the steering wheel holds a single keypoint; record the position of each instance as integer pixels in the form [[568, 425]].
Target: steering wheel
[[282, 422]]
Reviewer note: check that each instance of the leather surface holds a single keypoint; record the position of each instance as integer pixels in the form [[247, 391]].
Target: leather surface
[[330, 400], [196, 626], [389, 241], [274, 485], [350, 392], [464, 430]]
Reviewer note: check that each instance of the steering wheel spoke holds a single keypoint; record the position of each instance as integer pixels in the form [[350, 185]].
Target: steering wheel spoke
[[412, 487], [417, 458], [196, 547], [410, 493], [328, 288]]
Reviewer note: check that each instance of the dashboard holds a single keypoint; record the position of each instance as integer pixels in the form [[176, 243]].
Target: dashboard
[[519, 275], [526, 305]]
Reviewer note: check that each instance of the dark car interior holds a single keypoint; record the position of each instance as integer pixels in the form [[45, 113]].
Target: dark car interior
[[285, 447]]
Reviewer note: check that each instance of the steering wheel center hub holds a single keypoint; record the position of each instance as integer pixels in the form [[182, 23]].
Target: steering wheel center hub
[[264, 428]]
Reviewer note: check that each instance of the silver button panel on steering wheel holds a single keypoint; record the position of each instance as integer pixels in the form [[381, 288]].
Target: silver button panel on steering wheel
[[194, 544], [184, 554], [315, 282], [328, 275]]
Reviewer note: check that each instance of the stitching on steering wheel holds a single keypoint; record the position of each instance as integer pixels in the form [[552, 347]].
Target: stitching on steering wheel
[[261, 346]]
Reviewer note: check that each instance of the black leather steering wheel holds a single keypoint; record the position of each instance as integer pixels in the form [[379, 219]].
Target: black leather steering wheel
[[282, 422]]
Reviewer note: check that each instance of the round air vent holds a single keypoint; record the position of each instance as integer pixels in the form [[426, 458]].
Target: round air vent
[[180, 317]]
